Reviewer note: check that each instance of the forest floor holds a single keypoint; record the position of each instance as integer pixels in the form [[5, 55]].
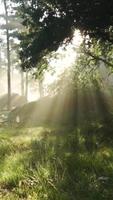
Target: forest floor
[[56, 163]]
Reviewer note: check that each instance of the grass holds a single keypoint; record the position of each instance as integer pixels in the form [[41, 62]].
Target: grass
[[59, 163]]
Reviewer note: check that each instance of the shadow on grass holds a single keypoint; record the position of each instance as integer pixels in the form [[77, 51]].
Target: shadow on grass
[[73, 167], [62, 165]]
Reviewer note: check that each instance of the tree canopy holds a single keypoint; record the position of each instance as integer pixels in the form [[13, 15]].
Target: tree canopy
[[49, 23]]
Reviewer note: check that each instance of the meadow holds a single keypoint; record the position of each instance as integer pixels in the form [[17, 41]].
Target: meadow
[[56, 163]]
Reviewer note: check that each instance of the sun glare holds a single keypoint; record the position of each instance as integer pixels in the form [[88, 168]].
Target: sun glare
[[66, 59]]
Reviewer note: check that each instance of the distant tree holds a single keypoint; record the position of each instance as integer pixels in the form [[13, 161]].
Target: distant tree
[[10, 28], [26, 85], [8, 55], [22, 82]]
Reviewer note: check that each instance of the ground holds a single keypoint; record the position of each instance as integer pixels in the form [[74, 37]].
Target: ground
[[55, 163]]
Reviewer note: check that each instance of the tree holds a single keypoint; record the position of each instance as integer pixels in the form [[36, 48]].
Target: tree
[[26, 85], [22, 82], [10, 28], [8, 56], [50, 23]]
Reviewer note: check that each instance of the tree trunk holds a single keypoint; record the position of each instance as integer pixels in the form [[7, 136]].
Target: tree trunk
[[22, 82], [0, 54], [8, 59], [41, 90], [26, 91]]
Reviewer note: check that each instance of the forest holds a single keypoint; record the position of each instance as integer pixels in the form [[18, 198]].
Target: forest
[[56, 100]]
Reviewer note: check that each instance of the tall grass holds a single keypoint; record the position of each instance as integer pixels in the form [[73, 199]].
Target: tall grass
[[59, 164]]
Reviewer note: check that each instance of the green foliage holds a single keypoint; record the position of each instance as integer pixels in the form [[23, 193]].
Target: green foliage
[[98, 51], [48, 23]]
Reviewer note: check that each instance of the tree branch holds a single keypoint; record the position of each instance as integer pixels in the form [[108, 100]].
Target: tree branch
[[99, 58]]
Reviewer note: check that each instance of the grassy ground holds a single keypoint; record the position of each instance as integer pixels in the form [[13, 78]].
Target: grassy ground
[[56, 164]]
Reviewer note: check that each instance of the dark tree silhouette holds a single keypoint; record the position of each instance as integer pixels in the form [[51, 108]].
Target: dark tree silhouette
[[49, 23]]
